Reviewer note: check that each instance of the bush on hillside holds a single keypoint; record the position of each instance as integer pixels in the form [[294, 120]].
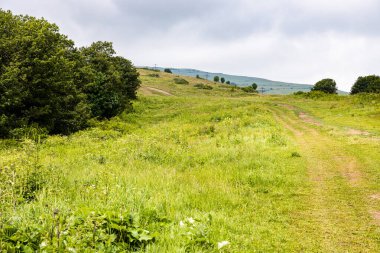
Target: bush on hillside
[[326, 85], [168, 71], [180, 81], [203, 86], [368, 84]]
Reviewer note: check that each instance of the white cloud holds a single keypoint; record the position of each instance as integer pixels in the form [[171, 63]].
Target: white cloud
[[289, 40]]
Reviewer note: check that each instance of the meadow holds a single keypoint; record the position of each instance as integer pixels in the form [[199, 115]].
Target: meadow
[[200, 170]]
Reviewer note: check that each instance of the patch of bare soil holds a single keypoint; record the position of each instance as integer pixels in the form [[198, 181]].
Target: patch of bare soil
[[375, 196], [154, 90], [376, 217], [308, 119], [357, 132]]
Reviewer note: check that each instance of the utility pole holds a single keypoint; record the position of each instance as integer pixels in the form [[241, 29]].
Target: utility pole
[[262, 90]]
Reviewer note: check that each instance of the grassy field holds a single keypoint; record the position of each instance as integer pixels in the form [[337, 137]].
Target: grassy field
[[192, 168]]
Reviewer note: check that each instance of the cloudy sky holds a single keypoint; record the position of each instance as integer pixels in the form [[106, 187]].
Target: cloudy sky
[[287, 40]]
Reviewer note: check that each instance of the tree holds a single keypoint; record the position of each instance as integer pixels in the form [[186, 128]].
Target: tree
[[46, 82], [326, 85], [254, 86], [222, 80], [109, 82], [366, 84], [37, 77], [228, 82], [216, 79], [168, 71]]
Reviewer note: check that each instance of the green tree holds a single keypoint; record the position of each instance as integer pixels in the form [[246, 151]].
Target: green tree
[[366, 84], [37, 77], [109, 82], [216, 79], [222, 80], [228, 82], [254, 86], [326, 85], [168, 71]]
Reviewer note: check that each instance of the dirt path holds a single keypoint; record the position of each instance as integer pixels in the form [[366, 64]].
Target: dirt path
[[150, 90], [337, 209]]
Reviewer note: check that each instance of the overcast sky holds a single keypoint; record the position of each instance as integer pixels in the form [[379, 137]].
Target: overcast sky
[[286, 40]]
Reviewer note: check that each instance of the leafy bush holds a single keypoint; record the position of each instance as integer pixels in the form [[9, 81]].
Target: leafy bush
[[180, 81], [326, 85], [168, 71], [101, 232], [154, 75], [369, 84], [249, 89], [298, 93], [203, 86]]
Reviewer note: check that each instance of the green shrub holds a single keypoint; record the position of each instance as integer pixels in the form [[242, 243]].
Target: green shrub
[[168, 71], [326, 85], [180, 81], [203, 86], [369, 84], [154, 75]]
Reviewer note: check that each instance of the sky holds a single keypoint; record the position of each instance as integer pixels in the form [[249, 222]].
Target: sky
[[301, 41]]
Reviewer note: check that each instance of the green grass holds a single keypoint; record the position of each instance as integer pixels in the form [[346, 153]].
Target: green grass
[[194, 169]]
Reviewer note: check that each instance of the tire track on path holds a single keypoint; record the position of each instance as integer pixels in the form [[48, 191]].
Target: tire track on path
[[337, 217]]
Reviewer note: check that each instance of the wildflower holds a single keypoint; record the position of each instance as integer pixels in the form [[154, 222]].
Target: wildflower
[[223, 244], [191, 220], [181, 224]]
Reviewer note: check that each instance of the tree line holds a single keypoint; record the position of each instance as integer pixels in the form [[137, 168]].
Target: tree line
[[48, 83]]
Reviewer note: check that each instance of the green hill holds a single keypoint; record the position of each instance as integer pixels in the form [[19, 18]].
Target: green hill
[[264, 85]]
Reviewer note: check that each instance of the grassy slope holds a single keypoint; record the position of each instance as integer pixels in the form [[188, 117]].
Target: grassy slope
[[199, 153]]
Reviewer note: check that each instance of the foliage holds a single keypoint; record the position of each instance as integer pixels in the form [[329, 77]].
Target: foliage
[[106, 232], [37, 77], [108, 81], [203, 86], [369, 84], [326, 85], [216, 79], [250, 89], [45, 81], [154, 75], [168, 71], [222, 80], [228, 82], [180, 81], [254, 86]]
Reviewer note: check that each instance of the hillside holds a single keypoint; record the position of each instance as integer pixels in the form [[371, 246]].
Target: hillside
[[269, 86], [200, 169]]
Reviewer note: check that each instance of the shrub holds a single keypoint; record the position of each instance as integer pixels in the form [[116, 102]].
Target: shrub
[[326, 85], [216, 79], [203, 86], [180, 81], [369, 84], [168, 71], [154, 75]]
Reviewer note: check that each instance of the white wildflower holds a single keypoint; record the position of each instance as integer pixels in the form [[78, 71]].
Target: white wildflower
[[223, 244], [43, 244], [191, 220], [181, 224]]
